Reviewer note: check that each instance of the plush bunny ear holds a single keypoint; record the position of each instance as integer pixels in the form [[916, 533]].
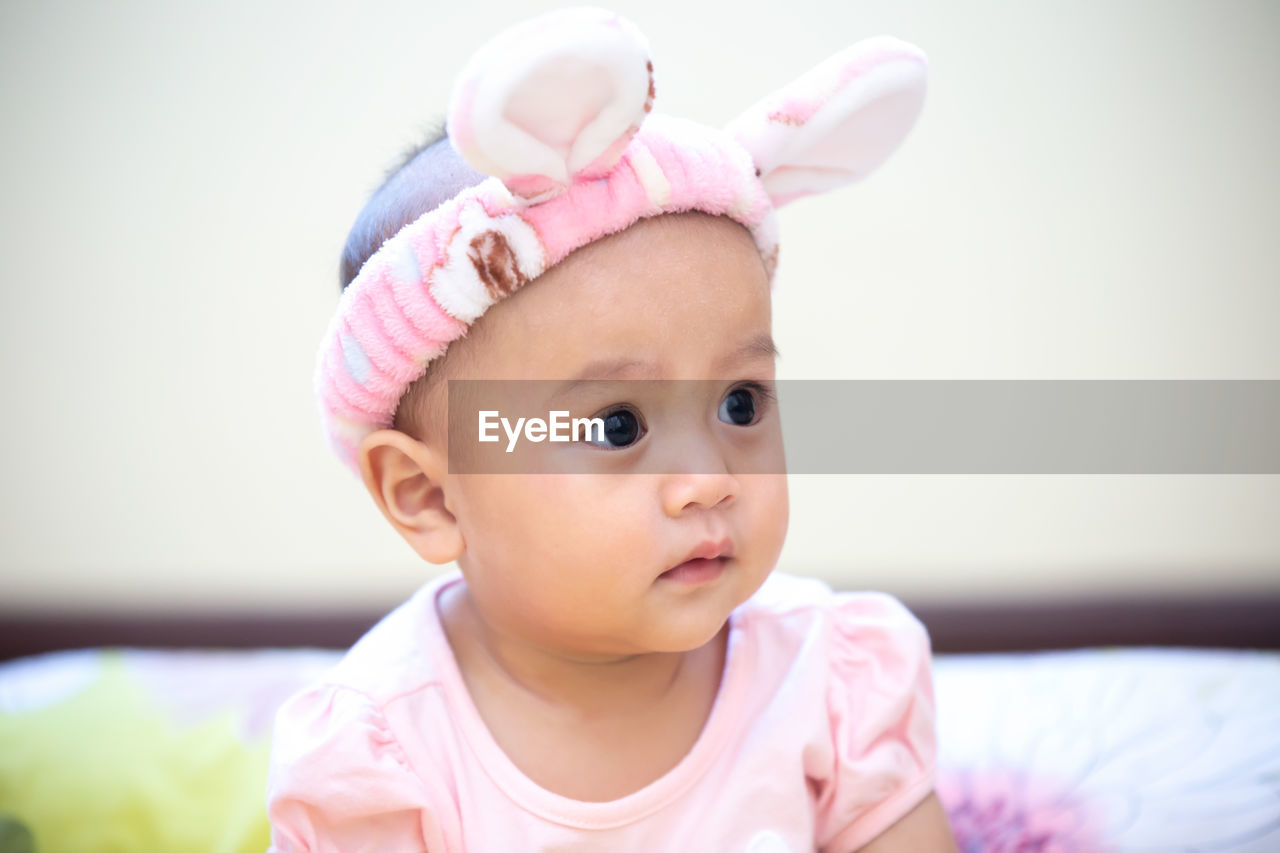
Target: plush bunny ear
[[837, 123], [552, 99]]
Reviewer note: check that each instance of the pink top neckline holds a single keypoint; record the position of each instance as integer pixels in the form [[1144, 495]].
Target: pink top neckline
[[578, 813]]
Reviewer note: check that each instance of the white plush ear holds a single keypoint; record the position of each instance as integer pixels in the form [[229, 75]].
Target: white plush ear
[[837, 123], [552, 99]]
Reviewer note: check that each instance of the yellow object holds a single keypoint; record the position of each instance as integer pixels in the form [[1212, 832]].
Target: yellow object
[[108, 770]]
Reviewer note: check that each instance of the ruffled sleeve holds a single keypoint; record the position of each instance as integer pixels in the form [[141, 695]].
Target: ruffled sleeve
[[880, 709], [339, 780]]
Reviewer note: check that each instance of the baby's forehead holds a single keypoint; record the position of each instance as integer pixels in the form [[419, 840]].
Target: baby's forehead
[[678, 294], [669, 246]]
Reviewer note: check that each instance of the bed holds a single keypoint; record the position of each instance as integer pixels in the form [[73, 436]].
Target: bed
[[1168, 743]]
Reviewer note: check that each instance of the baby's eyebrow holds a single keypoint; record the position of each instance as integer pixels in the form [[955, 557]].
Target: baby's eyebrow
[[606, 369], [759, 346]]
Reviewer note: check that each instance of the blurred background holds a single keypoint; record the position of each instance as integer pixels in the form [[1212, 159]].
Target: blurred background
[[1092, 192]]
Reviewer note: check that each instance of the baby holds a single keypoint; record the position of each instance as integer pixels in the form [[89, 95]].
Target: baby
[[612, 667]]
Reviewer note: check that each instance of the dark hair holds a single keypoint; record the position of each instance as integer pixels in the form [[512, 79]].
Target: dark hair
[[427, 175]]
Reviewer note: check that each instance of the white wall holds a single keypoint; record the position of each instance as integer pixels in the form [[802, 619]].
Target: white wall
[[1092, 192]]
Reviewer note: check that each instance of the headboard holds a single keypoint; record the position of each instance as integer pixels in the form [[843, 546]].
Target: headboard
[[1225, 621]]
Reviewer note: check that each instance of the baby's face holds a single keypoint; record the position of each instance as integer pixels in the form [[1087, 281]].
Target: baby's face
[[580, 561]]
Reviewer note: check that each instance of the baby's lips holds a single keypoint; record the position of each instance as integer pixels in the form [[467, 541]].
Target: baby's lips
[[709, 549]]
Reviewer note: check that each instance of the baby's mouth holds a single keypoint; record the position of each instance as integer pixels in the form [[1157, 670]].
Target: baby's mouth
[[703, 565], [696, 571]]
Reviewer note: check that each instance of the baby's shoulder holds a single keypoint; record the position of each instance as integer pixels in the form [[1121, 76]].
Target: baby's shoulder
[[399, 655], [801, 623], [808, 604], [855, 685], [347, 751]]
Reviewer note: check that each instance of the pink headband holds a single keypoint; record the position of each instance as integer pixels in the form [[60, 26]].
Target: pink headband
[[556, 111]]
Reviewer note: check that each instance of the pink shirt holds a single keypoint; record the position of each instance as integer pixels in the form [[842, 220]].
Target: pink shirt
[[821, 735]]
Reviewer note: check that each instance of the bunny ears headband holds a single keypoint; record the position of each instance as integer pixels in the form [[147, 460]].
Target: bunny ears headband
[[556, 111]]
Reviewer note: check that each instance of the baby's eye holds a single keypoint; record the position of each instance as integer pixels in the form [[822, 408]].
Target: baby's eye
[[623, 427], [743, 405]]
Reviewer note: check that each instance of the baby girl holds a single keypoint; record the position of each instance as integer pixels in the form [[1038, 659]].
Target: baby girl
[[612, 667]]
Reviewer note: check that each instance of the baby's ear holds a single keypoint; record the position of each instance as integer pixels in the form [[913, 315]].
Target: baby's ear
[[405, 479], [551, 100], [837, 123]]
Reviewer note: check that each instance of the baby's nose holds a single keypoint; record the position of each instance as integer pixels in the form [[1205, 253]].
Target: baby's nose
[[684, 491]]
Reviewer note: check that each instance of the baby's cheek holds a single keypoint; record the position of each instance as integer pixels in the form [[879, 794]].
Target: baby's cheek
[[773, 512], [571, 512], [499, 510]]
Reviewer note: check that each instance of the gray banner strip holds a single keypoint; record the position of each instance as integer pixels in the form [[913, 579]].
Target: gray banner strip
[[1033, 427], [967, 427]]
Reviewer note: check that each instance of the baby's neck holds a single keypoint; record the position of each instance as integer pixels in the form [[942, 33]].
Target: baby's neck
[[579, 685], [588, 729]]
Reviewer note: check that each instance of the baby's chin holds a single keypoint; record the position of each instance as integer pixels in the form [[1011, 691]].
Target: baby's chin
[[689, 621]]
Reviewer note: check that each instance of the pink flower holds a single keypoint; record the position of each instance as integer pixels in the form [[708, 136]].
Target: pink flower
[[1004, 811]]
